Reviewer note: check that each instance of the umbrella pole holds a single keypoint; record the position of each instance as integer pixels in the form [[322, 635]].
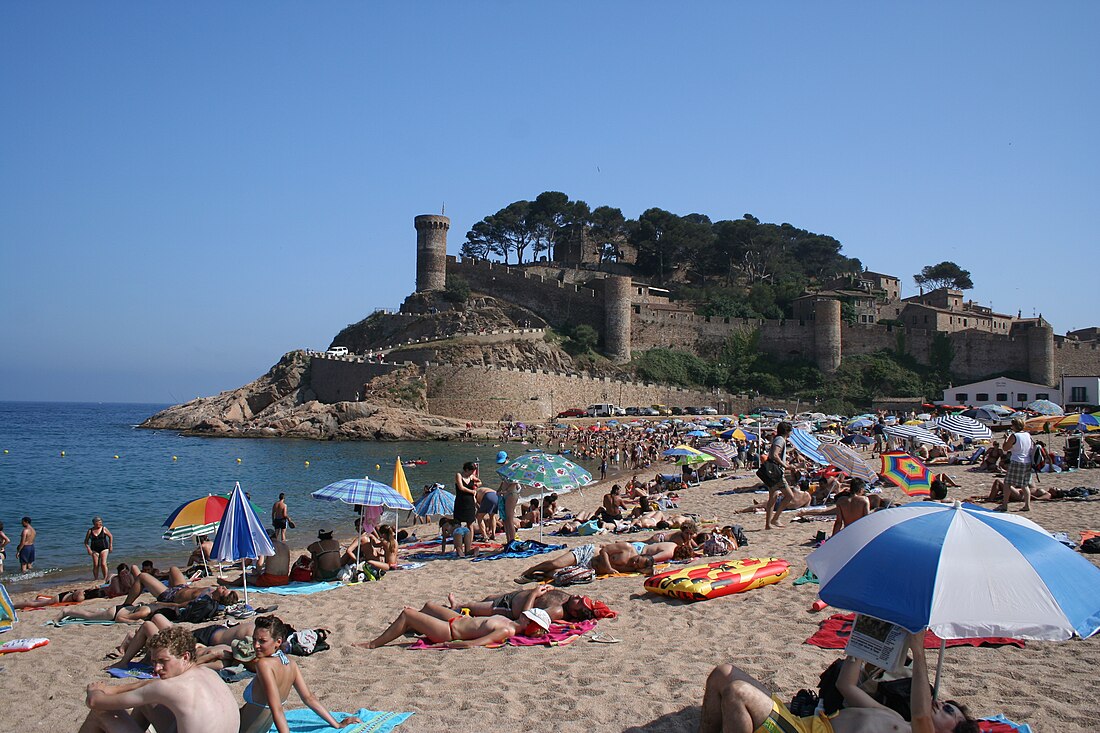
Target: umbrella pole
[[202, 554], [244, 579], [542, 506], [939, 670]]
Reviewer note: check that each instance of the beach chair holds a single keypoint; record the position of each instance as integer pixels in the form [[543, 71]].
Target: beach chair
[[8, 617], [975, 456]]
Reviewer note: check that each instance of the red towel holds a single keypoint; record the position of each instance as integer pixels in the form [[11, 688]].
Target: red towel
[[834, 631], [560, 634]]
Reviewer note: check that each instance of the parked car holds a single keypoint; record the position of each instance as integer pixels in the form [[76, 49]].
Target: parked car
[[773, 412], [572, 412], [662, 409], [678, 411], [632, 411], [648, 411], [708, 411], [338, 351], [604, 409]]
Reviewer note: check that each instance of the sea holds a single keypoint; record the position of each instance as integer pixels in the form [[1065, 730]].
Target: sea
[[62, 463]]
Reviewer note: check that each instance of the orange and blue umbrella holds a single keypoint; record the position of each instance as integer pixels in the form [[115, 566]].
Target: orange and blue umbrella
[[907, 473], [203, 511], [1079, 421]]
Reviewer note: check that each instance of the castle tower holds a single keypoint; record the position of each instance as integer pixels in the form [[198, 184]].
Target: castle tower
[[431, 252], [1040, 354], [827, 340], [617, 318]]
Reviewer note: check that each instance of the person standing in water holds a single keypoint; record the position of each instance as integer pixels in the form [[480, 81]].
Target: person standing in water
[[99, 542], [280, 518], [26, 546]]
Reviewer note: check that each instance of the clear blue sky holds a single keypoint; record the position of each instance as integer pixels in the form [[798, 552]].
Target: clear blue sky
[[189, 190]]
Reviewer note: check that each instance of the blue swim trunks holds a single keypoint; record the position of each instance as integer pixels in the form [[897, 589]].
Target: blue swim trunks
[[639, 547], [26, 555]]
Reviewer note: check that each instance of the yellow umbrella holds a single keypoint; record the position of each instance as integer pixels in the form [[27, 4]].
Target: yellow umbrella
[[399, 483], [1038, 424]]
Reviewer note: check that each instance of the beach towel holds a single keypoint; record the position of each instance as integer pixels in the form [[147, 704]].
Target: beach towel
[[1001, 724], [80, 622], [834, 631], [133, 670], [560, 634], [304, 720], [299, 589], [8, 616], [410, 565], [520, 549], [807, 577], [52, 605]]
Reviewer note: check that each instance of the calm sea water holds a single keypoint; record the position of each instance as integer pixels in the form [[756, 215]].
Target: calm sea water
[[156, 471]]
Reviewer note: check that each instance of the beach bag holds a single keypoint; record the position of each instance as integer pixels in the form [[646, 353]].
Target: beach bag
[[575, 575], [302, 571], [305, 642], [201, 609], [717, 544], [1091, 545], [770, 473]]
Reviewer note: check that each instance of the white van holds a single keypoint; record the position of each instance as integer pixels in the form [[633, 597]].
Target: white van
[[604, 409], [338, 351]]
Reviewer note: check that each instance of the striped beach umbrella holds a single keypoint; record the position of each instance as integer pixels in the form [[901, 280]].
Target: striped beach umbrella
[[364, 492], [436, 502], [848, 461], [808, 446], [739, 434], [724, 453], [907, 473], [241, 535], [187, 531], [912, 432], [1079, 421], [680, 450], [965, 427]]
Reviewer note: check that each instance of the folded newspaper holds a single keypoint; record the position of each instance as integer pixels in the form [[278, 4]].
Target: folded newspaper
[[881, 643]]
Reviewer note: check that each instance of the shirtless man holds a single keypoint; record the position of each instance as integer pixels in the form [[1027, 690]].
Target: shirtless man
[[734, 702], [215, 639], [443, 625], [280, 519], [559, 605], [25, 550], [178, 592], [276, 568], [850, 505], [184, 698], [614, 557], [613, 504]]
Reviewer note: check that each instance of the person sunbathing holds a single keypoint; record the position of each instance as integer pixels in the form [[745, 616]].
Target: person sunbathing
[[614, 557], [275, 675], [122, 613], [179, 591], [994, 459], [531, 515], [559, 605], [446, 626], [214, 641], [685, 535], [276, 569], [118, 585], [735, 702]]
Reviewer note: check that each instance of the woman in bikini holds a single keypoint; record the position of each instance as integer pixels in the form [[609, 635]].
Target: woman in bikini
[[122, 613], [99, 542], [275, 675]]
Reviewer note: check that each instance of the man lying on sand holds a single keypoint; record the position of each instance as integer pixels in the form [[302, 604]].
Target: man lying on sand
[[559, 605], [215, 637], [445, 626], [734, 702], [184, 698], [614, 557], [179, 590]]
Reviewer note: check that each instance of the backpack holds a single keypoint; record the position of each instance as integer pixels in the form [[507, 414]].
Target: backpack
[[305, 642], [575, 575], [201, 609]]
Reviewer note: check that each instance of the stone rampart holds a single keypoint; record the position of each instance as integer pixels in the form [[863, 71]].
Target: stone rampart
[[980, 355], [341, 378], [1076, 359]]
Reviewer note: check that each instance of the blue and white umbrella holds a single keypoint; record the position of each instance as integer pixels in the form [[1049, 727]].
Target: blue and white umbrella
[[698, 434], [914, 432], [364, 492], [436, 502], [241, 535], [808, 446], [964, 426], [961, 571]]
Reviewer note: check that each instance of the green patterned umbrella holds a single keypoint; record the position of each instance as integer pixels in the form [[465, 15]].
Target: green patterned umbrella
[[545, 472]]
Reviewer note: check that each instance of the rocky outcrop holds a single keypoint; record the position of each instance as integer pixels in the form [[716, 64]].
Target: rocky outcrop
[[281, 404]]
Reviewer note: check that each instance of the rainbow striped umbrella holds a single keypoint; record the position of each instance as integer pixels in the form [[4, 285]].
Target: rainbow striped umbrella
[[907, 473], [207, 510], [1079, 421]]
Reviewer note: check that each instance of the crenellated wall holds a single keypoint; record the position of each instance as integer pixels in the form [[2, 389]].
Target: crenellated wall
[[1076, 359], [341, 379]]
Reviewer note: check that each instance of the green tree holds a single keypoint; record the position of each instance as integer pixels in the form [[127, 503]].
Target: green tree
[[944, 275], [546, 219], [457, 289]]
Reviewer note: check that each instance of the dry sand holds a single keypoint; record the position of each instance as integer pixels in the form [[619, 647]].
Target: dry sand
[[652, 681]]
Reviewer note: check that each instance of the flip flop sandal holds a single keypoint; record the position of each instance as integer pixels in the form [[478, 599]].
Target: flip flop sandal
[[601, 638], [267, 609], [111, 655]]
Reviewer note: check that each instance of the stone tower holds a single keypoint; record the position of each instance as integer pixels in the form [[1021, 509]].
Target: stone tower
[[1040, 354], [617, 318], [827, 340], [431, 252]]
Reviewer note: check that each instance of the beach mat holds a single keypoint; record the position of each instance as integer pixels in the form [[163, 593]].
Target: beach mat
[[132, 670], [1001, 724], [835, 630], [304, 720], [299, 589], [560, 634], [80, 622], [521, 549]]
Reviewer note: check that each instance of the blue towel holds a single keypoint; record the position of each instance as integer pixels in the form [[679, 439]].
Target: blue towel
[[304, 720], [132, 670], [519, 549], [299, 589]]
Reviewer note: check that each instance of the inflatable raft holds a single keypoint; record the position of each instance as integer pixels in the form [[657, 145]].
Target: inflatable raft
[[716, 579]]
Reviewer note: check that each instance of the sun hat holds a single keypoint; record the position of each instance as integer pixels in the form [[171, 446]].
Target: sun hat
[[244, 650], [539, 617], [324, 534], [502, 457]]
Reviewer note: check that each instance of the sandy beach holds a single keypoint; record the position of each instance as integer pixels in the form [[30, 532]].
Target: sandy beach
[[652, 681]]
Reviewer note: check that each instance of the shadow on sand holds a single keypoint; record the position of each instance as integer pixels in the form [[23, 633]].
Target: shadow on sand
[[683, 721]]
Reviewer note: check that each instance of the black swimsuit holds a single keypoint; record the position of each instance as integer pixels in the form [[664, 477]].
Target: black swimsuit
[[99, 542], [465, 508]]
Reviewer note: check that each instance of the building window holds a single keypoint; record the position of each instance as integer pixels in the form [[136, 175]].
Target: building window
[[1078, 394], [1042, 395], [638, 309], [1021, 396], [1002, 396], [983, 397], [961, 397]]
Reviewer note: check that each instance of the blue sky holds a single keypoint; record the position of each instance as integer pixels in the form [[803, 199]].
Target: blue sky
[[187, 191]]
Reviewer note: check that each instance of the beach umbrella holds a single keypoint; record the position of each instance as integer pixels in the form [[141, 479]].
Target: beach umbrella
[[241, 535], [698, 434], [911, 432], [1044, 407], [960, 571], [400, 483], [808, 446], [680, 450], [204, 510], [848, 461], [362, 492], [907, 473], [856, 439], [701, 457], [435, 502], [738, 434], [859, 423], [189, 531], [1038, 424], [827, 438], [963, 426], [724, 453], [545, 472], [1082, 421]]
